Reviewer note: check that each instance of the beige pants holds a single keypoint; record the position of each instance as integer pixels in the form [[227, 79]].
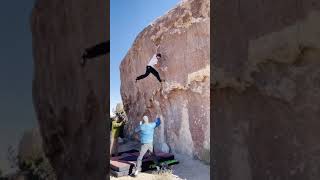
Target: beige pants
[[143, 150], [113, 145]]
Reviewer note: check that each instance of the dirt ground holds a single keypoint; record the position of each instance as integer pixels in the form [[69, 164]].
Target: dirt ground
[[188, 168]]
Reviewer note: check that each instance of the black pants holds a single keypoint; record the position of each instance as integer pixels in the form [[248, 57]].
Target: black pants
[[149, 70], [97, 50]]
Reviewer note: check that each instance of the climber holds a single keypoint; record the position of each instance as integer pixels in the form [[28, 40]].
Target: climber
[[146, 131], [151, 68], [95, 51], [116, 125]]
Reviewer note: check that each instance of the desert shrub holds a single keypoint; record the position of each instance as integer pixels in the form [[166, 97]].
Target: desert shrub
[[38, 168], [12, 157], [30, 158], [163, 175]]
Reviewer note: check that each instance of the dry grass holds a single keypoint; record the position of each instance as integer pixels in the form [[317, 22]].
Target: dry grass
[[150, 176], [164, 176]]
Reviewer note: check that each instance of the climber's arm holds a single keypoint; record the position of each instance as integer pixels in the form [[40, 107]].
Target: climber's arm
[[158, 122], [157, 65], [115, 124], [137, 129]]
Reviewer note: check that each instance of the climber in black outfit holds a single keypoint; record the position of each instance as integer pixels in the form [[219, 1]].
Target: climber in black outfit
[[151, 68], [95, 51]]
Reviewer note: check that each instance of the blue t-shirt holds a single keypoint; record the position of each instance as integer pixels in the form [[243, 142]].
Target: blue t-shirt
[[146, 131]]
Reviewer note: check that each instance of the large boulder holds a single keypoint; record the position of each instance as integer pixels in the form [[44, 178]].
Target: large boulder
[[182, 36], [266, 90], [70, 100]]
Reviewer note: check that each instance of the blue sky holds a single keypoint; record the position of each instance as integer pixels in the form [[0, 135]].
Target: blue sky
[[16, 69], [127, 19]]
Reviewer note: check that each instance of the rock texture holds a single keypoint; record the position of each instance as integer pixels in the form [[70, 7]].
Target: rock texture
[[182, 37], [70, 101], [266, 90]]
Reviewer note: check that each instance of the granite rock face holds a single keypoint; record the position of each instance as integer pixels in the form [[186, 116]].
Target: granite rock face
[[70, 101], [266, 90], [182, 36]]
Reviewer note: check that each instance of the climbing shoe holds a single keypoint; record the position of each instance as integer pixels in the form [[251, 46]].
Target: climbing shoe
[[135, 174], [83, 61]]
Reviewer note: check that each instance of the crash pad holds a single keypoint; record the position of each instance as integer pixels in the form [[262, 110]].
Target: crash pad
[[128, 160], [145, 167]]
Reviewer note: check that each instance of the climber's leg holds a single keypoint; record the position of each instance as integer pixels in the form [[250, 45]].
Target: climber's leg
[[155, 73], [98, 50], [153, 156], [111, 145], [116, 146], [144, 148], [95, 51], [145, 74]]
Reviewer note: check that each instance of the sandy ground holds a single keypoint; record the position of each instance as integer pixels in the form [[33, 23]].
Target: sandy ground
[[188, 169]]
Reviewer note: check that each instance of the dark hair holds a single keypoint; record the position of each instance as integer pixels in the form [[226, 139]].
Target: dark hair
[[159, 54]]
